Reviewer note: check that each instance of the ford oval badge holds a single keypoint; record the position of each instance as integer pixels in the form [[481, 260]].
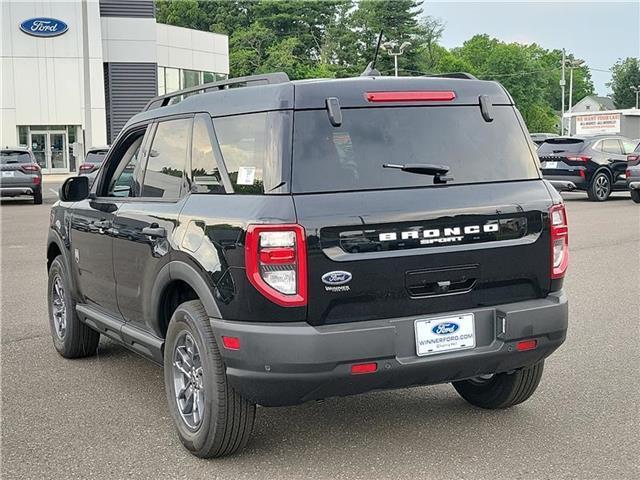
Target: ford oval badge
[[44, 27], [336, 278], [445, 327]]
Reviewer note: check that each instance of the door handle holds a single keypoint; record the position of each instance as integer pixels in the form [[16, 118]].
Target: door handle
[[154, 231]]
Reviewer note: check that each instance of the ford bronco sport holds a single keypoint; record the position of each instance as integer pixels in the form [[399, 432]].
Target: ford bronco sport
[[285, 241]]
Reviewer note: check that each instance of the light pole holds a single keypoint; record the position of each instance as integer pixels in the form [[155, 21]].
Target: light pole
[[636, 90], [563, 82], [395, 51], [572, 65]]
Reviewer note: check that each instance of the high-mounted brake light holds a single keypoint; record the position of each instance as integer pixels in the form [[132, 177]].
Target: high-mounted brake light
[[276, 263], [559, 241], [423, 96], [86, 167]]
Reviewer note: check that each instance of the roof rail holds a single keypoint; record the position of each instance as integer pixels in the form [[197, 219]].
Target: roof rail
[[463, 75], [250, 81]]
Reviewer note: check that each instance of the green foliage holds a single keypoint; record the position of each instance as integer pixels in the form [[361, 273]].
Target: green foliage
[[337, 38], [626, 73]]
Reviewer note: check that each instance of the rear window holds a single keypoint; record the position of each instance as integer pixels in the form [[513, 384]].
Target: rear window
[[8, 156], [350, 157], [95, 157], [568, 145]]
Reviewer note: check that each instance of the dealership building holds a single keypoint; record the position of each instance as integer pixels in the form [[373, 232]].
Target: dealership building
[[74, 72]]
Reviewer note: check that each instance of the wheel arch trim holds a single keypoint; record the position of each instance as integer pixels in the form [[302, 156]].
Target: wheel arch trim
[[178, 270]]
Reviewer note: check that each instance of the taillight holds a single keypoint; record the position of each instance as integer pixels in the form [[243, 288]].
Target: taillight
[[276, 263], [420, 96], [86, 167], [30, 168], [559, 241], [633, 159], [627, 173], [579, 158]]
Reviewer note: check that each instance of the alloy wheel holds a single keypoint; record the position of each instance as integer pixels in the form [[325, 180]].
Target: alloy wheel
[[59, 307], [602, 187], [188, 381]]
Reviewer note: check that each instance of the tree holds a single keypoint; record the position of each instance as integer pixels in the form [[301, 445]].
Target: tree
[[626, 74], [551, 73]]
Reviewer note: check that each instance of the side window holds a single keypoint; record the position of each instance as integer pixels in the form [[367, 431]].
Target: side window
[[164, 174], [628, 146], [122, 165], [611, 145], [244, 142], [204, 168]]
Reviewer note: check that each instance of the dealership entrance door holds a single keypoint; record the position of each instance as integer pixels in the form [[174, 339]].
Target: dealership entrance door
[[50, 149]]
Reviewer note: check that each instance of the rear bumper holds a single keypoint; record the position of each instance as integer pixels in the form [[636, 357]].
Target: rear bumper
[[15, 191], [563, 185], [567, 183], [287, 364]]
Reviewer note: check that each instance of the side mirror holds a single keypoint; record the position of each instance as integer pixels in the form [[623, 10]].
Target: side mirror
[[74, 189]]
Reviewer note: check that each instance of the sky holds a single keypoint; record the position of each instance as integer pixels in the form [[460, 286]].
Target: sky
[[599, 32]]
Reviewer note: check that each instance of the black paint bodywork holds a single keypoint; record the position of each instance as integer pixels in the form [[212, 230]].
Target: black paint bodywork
[[581, 173], [120, 274]]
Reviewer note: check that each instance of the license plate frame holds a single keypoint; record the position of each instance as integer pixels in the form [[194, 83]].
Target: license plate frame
[[444, 342]]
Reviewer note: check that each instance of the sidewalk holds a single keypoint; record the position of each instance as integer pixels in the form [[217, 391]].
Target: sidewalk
[[56, 177]]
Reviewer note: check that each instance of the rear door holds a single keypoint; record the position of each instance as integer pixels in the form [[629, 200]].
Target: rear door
[[144, 226], [614, 153], [384, 243]]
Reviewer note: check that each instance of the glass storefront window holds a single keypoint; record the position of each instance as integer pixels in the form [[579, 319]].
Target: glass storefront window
[[190, 78], [23, 135], [161, 89], [72, 138], [171, 79]]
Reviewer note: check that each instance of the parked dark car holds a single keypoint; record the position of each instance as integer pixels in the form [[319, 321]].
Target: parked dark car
[[540, 138], [595, 164], [286, 241], [92, 162], [20, 174], [633, 174]]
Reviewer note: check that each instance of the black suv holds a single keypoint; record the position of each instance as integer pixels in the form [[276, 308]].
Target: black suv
[[291, 241], [594, 164]]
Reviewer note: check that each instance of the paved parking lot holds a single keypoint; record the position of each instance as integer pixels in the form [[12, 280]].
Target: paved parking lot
[[105, 417]]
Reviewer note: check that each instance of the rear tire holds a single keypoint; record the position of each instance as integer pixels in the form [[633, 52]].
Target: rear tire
[[212, 419], [599, 188], [502, 390], [635, 196], [37, 197], [71, 337]]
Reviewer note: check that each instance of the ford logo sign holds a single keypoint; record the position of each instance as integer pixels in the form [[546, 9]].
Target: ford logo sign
[[336, 278], [445, 328], [44, 27]]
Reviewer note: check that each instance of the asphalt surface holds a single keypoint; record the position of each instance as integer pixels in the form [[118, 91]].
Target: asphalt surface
[[106, 416]]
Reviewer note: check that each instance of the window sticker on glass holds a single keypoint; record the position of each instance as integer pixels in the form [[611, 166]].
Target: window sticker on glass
[[246, 175]]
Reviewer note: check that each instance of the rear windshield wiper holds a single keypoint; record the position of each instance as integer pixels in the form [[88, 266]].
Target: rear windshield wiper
[[438, 171]]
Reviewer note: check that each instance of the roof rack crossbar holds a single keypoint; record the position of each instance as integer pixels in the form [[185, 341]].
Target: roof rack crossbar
[[252, 80]]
